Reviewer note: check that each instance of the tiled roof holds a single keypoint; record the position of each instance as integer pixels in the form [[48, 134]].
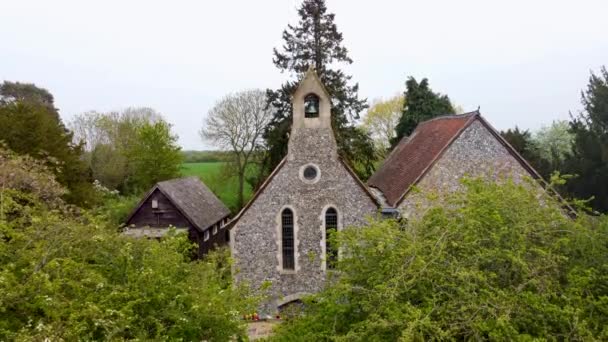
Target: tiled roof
[[410, 159], [195, 201]]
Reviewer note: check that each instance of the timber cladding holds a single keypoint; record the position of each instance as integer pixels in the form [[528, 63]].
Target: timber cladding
[[184, 203]]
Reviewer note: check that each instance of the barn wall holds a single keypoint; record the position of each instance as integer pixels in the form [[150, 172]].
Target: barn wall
[[167, 214]]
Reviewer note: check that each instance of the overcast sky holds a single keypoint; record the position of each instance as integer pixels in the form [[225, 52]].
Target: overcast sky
[[523, 62]]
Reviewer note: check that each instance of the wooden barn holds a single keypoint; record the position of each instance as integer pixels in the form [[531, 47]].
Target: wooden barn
[[184, 203]]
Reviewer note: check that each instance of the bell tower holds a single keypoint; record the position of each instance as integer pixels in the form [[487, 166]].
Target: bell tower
[[311, 105], [311, 116]]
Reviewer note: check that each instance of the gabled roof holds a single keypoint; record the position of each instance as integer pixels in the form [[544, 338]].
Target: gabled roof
[[193, 199], [415, 155]]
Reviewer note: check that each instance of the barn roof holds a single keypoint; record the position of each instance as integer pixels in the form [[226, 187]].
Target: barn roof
[[193, 199], [415, 155]]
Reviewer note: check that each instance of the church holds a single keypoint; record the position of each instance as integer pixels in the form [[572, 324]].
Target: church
[[280, 237]]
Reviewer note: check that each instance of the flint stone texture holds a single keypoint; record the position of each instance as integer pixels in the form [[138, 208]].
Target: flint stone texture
[[475, 153], [256, 236]]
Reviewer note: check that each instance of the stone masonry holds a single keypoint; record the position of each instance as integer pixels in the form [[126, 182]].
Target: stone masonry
[[256, 235], [476, 152]]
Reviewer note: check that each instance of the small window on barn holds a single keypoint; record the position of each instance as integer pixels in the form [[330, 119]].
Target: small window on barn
[[206, 235], [311, 106], [154, 204], [331, 225], [215, 229], [287, 240]]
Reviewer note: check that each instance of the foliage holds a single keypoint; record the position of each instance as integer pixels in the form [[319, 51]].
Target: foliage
[[114, 142], [26, 174], [73, 277], [236, 123], [589, 159], [525, 144], [554, 142], [381, 119], [30, 124], [315, 41], [154, 156], [489, 263], [422, 104]]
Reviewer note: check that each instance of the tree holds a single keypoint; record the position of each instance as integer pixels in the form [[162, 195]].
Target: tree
[[315, 41], [524, 143], [381, 119], [422, 104], [154, 156], [237, 123], [589, 159], [30, 124], [489, 263], [554, 144], [107, 139]]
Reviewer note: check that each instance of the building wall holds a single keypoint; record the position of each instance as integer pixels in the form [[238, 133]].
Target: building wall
[[476, 152], [164, 216], [256, 239]]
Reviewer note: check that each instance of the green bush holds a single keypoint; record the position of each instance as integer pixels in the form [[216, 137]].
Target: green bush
[[490, 263], [66, 274]]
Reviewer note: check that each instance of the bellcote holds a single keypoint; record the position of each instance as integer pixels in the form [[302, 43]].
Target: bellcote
[[311, 105]]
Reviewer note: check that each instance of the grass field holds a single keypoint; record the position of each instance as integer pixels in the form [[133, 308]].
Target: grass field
[[214, 175]]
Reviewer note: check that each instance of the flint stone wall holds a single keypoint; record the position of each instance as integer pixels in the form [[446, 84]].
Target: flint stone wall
[[256, 239], [475, 153]]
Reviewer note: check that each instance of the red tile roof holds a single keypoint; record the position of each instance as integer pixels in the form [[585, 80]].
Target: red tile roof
[[415, 154]]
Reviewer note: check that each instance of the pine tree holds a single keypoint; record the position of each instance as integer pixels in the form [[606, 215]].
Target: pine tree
[[589, 159], [315, 41], [422, 104]]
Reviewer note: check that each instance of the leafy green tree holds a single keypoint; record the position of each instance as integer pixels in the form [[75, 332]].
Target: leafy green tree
[[154, 156], [315, 41], [30, 124], [107, 139], [589, 159], [422, 104], [554, 142], [381, 119], [488, 263]]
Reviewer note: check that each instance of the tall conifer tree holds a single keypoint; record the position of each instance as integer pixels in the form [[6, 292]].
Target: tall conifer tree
[[589, 159], [315, 41], [422, 104]]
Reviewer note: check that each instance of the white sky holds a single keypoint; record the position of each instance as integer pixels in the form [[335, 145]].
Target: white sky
[[523, 62]]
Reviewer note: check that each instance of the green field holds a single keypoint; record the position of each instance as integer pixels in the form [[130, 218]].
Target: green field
[[214, 175]]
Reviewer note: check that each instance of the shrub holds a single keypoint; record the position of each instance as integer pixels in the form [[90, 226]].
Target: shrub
[[490, 263]]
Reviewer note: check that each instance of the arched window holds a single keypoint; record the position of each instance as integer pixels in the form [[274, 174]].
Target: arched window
[[331, 225], [311, 106], [287, 239]]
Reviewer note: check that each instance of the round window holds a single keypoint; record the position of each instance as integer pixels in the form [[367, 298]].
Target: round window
[[310, 172]]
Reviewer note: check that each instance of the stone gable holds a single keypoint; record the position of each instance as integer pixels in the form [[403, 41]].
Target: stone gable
[[476, 152], [256, 236]]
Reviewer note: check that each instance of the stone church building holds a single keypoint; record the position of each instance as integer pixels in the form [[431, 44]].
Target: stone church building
[[280, 236]]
